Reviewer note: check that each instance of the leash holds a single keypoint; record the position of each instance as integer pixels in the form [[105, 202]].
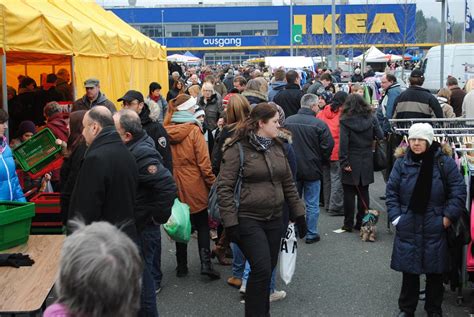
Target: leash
[[359, 193]]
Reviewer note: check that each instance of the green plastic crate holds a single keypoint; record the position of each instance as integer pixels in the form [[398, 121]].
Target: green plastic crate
[[36, 153], [15, 223]]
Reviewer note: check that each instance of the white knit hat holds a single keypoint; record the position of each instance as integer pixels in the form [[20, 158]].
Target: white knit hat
[[190, 103], [421, 131]]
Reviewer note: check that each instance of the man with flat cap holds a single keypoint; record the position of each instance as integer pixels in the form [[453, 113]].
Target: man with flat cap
[[93, 97], [105, 188]]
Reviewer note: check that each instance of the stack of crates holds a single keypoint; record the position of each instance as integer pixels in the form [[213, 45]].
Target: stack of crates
[[38, 156], [15, 222]]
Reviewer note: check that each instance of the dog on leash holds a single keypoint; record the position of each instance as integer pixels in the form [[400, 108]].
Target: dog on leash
[[368, 229]]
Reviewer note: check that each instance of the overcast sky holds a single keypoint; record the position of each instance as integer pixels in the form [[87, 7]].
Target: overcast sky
[[429, 7]]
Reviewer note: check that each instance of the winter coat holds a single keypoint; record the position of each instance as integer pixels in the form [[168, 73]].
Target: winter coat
[[213, 110], [229, 82], [157, 132], [316, 88], [68, 176], [220, 88], [387, 106], [457, 97], [106, 186], [357, 78], [420, 245], [172, 93], [191, 165], [217, 152], [289, 99], [357, 134], [267, 182], [64, 89], [59, 126], [30, 108], [332, 120], [84, 103], [468, 105], [10, 188], [448, 111], [312, 142], [417, 102], [156, 187], [157, 109], [275, 88]]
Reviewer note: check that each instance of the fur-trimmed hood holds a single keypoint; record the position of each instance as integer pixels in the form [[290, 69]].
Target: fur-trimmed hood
[[400, 151]]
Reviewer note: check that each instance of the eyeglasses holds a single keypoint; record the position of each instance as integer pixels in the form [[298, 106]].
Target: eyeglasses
[[206, 90], [129, 103]]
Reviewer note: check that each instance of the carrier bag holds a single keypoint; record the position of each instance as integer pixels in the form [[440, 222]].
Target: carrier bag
[[178, 226], [288, 250]]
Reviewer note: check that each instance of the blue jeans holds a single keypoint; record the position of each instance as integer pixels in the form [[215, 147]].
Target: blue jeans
[[245, 277], [238, 261], [152, 244], [310, 191], [148, 242]]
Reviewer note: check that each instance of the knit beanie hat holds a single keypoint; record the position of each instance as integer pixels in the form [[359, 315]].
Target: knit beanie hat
[[327, 96], [26, 126], [421, 131]]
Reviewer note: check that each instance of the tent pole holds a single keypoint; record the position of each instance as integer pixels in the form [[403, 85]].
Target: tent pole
[[73, 79], [4, 87]]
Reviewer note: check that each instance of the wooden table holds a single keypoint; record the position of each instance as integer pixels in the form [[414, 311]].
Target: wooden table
[[24, 290]]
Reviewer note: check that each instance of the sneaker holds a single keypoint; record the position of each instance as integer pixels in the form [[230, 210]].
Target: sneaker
[[158, 290], [242, 289], [277, 295]]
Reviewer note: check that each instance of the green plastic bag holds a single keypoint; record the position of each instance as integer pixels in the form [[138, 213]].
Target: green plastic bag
[[178, 226]]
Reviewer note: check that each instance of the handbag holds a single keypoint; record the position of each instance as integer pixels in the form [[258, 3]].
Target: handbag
[[213, 200], [459, 232], [380, 156]]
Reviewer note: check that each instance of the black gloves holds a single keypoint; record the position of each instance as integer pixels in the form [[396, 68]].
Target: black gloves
[[233, 233], [15, 260], [300, 223]]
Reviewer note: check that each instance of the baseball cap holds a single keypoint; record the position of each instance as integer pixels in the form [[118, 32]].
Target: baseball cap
[[91, 82], [416, 73], [132, 95]]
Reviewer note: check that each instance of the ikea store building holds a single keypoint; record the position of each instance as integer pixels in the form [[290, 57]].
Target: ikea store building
[[234, 34]]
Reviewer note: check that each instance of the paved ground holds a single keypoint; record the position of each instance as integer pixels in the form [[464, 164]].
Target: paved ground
[[339, 276]]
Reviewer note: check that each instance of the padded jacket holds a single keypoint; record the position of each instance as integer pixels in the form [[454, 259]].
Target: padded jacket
[[10, 188], [332, 119], [420, 245], [267, 183]]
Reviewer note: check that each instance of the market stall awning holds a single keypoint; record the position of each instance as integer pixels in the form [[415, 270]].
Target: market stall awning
[[183, 58], [374, 55]]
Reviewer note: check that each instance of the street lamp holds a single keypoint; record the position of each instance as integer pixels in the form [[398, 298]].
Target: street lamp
[[443, 41], [163, 27], [333, 34], [291, 27]]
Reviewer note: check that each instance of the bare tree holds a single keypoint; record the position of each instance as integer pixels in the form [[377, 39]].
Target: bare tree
[[267, 42], [408, 26]]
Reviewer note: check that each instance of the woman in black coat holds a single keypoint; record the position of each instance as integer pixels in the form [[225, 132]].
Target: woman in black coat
[[76, 148], [426, 193], [359, 128]]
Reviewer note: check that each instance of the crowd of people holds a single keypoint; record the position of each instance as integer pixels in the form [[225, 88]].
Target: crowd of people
[[278, 145]]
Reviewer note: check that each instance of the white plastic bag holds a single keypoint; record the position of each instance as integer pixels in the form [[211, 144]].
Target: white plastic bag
[[288, 250]]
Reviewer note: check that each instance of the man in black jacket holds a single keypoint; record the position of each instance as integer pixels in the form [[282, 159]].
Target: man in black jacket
[[290, 98], [313, 144], [134, 100], [417, 102], [155, 196], [106, 186]]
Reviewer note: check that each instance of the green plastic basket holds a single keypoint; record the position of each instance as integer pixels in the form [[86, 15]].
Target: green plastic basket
[[15, 223], [36, 153]]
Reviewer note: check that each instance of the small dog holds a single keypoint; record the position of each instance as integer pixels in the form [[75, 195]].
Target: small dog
[[369, 225]]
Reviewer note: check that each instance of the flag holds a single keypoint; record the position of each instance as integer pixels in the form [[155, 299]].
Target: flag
[[448, 21], [469, 24]]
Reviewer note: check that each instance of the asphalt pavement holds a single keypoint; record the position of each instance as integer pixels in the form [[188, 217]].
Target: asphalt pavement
[[338, 276]]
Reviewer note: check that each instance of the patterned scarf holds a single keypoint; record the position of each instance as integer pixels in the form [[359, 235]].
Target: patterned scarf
[[264, 142]]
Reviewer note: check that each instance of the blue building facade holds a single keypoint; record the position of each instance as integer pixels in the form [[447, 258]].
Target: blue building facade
[[266, 30]]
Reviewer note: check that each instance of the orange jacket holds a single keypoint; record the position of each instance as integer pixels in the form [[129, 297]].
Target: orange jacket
[[191, 165], [332, 120]]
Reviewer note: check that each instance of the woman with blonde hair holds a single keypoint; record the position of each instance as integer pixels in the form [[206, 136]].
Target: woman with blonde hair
[[444, 99], [193, 175], [468, 102], [211, 103]]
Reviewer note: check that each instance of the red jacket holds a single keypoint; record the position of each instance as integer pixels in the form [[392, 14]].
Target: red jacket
[[58, 125], [332, 120]]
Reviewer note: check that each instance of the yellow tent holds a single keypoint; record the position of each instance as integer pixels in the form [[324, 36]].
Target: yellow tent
[[41, 36]]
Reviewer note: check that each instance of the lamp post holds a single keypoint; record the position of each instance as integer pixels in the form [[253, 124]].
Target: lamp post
[[163, 27], [442, 42], [333, 35], [291, 27]]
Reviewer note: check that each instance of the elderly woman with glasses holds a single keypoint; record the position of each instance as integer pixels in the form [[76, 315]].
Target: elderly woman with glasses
[[211, 103]]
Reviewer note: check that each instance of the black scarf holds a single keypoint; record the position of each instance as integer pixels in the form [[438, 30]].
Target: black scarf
[[421, 193]]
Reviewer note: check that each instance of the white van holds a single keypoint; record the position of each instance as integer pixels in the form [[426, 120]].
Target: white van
[[458, 62]]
